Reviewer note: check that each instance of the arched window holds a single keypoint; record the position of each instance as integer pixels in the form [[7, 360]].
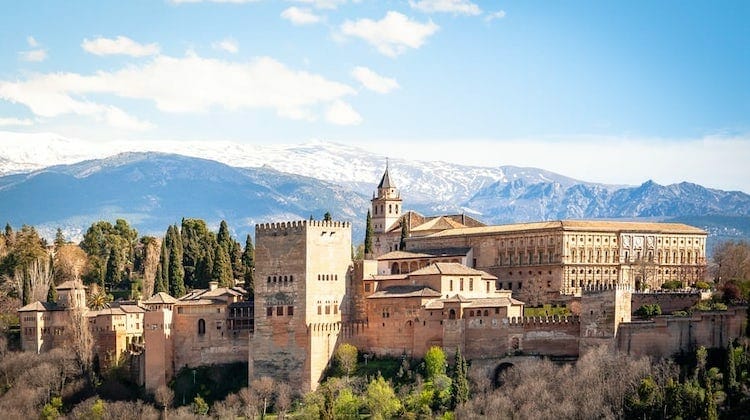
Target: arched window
[[452, 314], [201, 326], [394, 268]]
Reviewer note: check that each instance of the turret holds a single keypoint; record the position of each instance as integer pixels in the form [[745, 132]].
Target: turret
[[386, 205]]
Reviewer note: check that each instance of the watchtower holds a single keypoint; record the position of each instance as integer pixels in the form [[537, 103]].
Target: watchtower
[[302, 273]]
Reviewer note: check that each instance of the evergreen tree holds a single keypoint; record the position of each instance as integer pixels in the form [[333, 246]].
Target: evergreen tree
[[52, 293], [223, 237], [9, 235], [112, 273], [222, 268], [404, 234], [161, 283], [327, 217], [368, 235], [248, 259], [460, 383], [26, 290], [235, 257], [176, 272], [59, 239]]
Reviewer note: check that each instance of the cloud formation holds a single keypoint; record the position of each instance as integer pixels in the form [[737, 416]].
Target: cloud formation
[[184, 85], [341, 113], [6, 122], [229, 45], [458, 7], [121, 45], [300, 16], [37, 55], [373, 81], [392, 35], [495, 15]]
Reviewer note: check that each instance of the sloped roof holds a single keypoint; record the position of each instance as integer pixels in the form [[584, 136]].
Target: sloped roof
[[71, 284], [493, 302], [160, 297], [404, 291], [447, 252], [204, 294], [402, 255], [385, 182], [451, 269], [575, 225], [439, 223], [39, 307]]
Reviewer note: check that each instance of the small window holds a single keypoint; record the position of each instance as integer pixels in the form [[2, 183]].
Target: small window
[[201, 327], [279, 311], [290, 310], [269, 311]]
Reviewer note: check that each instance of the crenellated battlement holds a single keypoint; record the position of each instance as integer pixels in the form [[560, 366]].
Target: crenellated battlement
[[297, 226], [318, 328], [543, 320], [596, 288]]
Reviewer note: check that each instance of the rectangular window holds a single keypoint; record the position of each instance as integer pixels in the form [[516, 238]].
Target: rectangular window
[[279, 311], [328, 309], [451, 285], [269, 311], [471, 285], [335, 308], [290, 310], [461, 287], [320, 310], [367, 287]]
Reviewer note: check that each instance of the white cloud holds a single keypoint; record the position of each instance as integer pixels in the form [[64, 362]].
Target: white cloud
[[496, 15], [322, 4], [33, 55], [121, 45], [180, 85], [458, 7], [374, 81], [32, 41], [341, 113], [300, 16], [229, 45], [393, 34], [5, 122]]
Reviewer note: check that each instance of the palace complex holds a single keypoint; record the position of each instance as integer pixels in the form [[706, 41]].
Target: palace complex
[[448, 281]]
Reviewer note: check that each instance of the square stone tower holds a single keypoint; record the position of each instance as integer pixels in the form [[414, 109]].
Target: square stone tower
[[302, 275], [603, 309]]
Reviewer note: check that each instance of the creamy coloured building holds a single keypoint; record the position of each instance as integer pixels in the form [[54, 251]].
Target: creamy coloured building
[[540, 261]]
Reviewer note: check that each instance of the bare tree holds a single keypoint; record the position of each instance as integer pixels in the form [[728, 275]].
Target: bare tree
[[70, 262], [249, 403], [263, 388], [164, 396], [80, 341], [283, 399]]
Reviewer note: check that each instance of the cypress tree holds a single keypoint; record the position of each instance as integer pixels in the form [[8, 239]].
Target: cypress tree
[[52, 293], [222, 268], [460, 382], [404, 234], [59, 239], [26, 290], [223, 238], [248, 259], [327, 217], [162, 271], [112, 274], [176, 271], [368, 235]]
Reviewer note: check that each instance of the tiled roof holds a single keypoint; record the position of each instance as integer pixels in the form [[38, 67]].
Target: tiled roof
[[439, 223], [404, 291], [447, 252], [402, 255], [385, 182], [576, 225], [71, 284], [451, 269], [160, 297], [39, 307]]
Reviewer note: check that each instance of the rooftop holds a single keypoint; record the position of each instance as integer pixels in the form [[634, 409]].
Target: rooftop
[[404, 291], [576, 225], [451, 269]]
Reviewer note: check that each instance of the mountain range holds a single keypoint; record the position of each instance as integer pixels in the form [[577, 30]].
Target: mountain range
[[51, 181]]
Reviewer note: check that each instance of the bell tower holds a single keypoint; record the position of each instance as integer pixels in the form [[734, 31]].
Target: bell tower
[[386, 205]]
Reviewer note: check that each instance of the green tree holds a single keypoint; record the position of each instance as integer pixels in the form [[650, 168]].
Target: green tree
[[59, 239], [346, 357], [222, 268], [112, 273], [434, 361], [346, 405], [368, 234], [52, 293], [223, 237], [160, 280], [460, 383], [327, 216], [26, 290], [381, 400], [176, 277], [404, 234], [248, 259], [51, 410]]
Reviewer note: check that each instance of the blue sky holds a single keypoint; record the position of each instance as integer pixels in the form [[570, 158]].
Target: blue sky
[[616, 92]]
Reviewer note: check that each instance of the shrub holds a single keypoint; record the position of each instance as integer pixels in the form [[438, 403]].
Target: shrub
[[702, 285], [649, 310], [672, 285]]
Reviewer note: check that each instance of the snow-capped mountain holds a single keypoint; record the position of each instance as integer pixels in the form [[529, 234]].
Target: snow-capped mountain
[[245, 184]]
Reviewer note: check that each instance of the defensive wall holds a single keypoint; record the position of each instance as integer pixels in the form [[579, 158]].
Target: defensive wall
[[669, 301]]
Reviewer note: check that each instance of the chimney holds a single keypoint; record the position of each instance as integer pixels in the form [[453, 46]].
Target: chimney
[[212, 285]]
